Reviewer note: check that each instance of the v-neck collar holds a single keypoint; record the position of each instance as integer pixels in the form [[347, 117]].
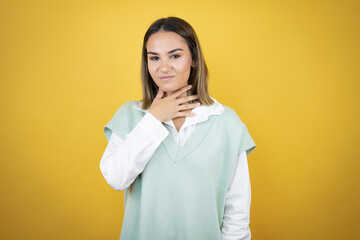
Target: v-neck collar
[[177, 152], [204, 118]]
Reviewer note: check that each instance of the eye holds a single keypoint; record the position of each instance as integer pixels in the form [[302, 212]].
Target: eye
[[154, 58], [175, 56]]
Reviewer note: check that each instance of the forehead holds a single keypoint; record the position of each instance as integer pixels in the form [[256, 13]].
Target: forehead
[[165, 41]]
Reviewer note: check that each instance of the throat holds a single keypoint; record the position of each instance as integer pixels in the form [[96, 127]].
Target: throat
[[178, 122]]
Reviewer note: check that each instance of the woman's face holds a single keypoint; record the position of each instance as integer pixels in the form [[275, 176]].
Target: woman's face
[[169, 60]]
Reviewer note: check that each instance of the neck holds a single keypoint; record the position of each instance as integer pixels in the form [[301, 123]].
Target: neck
[[184, 94]]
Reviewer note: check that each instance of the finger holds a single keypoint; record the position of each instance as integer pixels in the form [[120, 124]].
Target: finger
[[187, 99], [188, 106], [181, 90], [159, 94], [185, 114]]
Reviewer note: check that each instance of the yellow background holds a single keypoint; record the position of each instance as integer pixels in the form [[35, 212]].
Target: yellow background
[[290, 69]]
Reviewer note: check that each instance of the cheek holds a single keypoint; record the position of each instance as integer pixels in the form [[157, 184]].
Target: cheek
[[183, 66], [151, 68]]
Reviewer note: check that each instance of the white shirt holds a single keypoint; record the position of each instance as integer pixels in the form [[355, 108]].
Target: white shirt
[[124, 159]]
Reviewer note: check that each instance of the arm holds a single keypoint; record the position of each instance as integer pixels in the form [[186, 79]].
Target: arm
[[237, 205], [124, 159]]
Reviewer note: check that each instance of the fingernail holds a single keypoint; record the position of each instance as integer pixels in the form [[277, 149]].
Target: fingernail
[[189, 86]]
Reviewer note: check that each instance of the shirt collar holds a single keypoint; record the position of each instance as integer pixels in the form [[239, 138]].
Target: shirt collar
[[202, 113]]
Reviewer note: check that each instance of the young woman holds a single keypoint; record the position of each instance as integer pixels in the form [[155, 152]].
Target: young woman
[[179, 154]]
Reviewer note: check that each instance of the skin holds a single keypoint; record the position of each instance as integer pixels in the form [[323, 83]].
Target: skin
[[171, 101]]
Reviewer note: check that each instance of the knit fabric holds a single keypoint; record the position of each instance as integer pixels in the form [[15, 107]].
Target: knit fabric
[[181, 193]]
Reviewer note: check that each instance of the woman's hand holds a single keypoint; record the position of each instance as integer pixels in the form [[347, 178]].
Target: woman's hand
[[171, 107]]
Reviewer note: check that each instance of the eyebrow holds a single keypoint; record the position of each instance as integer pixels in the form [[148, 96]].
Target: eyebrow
[[174, 50]]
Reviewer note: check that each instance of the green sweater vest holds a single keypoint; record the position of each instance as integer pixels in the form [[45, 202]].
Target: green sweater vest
[[181, 193]]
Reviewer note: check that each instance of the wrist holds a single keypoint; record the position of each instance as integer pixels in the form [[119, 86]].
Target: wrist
[[154, 115]]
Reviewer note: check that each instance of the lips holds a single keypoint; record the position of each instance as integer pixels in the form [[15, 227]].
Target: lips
[[166, 78]]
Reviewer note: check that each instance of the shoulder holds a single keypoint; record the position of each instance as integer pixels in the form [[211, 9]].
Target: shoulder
[[126, 111], [129, 113], [229, 116], [127, 107], [129, 104], [230, 121]]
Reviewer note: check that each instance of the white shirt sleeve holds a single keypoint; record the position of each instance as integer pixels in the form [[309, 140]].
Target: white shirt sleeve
[[237, 206], [124, 159]]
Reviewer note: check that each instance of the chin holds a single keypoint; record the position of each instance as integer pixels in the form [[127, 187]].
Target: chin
[[168, 87], [172, 89], [169, 90]]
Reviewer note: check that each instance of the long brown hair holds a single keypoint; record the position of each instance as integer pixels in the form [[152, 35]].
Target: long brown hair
[[198, 74]]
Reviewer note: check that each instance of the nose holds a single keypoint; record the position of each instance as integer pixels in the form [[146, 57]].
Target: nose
[[165, 66]]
